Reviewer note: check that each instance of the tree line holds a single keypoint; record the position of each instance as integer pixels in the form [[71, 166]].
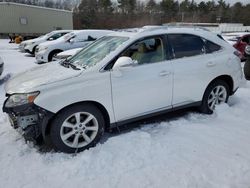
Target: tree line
[[112, 14], [135, 13]]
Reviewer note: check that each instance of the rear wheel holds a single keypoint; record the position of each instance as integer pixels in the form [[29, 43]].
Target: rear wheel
[[216, 93], [77, 128]]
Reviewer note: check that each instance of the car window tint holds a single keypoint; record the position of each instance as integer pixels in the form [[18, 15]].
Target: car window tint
[[146, 51], [185, 45], [246, 39], [211, 47], [56, 36]]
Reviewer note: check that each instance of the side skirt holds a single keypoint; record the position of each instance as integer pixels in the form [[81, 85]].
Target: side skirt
[[121, 123]]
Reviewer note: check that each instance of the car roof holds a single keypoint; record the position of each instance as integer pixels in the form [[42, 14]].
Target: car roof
[[61, 31], [90, 30], [159, 30]]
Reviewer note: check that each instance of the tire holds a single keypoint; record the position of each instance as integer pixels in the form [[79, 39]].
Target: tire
[[69, 133], [216, 93], [247, 69], [52, 54], [34, 50]]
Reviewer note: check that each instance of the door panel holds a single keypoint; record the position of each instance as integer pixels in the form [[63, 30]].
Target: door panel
[[142, 89], [191, 77], [197, 63]]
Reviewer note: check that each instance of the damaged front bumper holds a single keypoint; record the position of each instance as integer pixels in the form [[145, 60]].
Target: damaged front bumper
[[30, 119]]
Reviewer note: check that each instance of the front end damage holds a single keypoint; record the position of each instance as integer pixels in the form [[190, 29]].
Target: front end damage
[[29, 119]]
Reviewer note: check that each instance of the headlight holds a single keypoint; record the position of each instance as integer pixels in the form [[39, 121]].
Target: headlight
[[21, 99]]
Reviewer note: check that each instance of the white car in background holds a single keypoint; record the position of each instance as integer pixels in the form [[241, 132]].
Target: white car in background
[[121, 78], [76, 39], [66, 54], [30, 45]]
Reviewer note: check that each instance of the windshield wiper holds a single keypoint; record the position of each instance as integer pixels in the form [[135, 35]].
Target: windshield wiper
[[67, 64]]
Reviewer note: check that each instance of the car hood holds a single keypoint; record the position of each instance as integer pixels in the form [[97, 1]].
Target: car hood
[[37, 40], [27, 41], [52, 43], [30, 80], [70, 52]]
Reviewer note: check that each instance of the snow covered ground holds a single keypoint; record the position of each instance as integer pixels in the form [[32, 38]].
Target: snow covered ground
[[192, 150]]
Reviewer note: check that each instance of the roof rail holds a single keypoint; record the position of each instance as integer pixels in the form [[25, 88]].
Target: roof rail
[[157, 27]]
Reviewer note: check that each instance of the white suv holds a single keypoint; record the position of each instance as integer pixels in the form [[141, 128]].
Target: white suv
[[29, 46], [76, 39], [120, 78]]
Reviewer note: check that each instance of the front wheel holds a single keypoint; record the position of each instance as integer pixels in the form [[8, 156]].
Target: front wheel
[[215, 94], [53, 54], [77, 128]]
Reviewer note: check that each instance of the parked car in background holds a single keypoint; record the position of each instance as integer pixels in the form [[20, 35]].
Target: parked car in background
[[24, 43], [120, 78], [30, 45], [66, 54], [1, 66], [239, 41], [76, 39]]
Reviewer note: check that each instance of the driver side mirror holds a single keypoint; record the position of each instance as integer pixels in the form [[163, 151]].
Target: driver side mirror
[[50, 39], [123, 62]]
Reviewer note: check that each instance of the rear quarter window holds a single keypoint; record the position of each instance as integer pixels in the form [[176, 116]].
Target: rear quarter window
[[211, 47]]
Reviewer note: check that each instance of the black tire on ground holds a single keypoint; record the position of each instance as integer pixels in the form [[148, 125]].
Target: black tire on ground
[[34, 50], [247, 69], [68, 113], [204, 108], [52, 54]]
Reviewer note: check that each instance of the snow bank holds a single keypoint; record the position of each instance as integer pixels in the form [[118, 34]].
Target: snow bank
[[192, 150]]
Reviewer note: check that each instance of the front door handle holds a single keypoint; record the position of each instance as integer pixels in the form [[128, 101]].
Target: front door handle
[[164, 73]]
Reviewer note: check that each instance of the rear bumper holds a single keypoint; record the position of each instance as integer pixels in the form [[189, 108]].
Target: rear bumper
[[30, 119]]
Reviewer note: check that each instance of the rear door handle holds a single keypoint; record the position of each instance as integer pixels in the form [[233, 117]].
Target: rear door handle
[[210, 64], [164, 73]]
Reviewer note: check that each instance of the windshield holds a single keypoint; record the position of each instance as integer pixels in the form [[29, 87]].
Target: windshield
[[50, 34], [69, 36], [97, 51]]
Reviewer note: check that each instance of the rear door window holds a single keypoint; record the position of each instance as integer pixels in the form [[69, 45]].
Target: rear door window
[[211, 47], [186, 45]]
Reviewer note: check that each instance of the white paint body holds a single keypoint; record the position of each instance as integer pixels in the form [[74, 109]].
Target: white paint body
[[133, 91], [63, 43], [68, 53], [31, 44]]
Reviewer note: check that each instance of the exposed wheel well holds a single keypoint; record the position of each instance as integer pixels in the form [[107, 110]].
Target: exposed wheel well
[[96, 104], [34, 49], [52, 53], [226, 78]]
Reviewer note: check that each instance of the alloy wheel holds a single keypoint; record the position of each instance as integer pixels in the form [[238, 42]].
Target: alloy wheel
[[79, 129], [217, 96]]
